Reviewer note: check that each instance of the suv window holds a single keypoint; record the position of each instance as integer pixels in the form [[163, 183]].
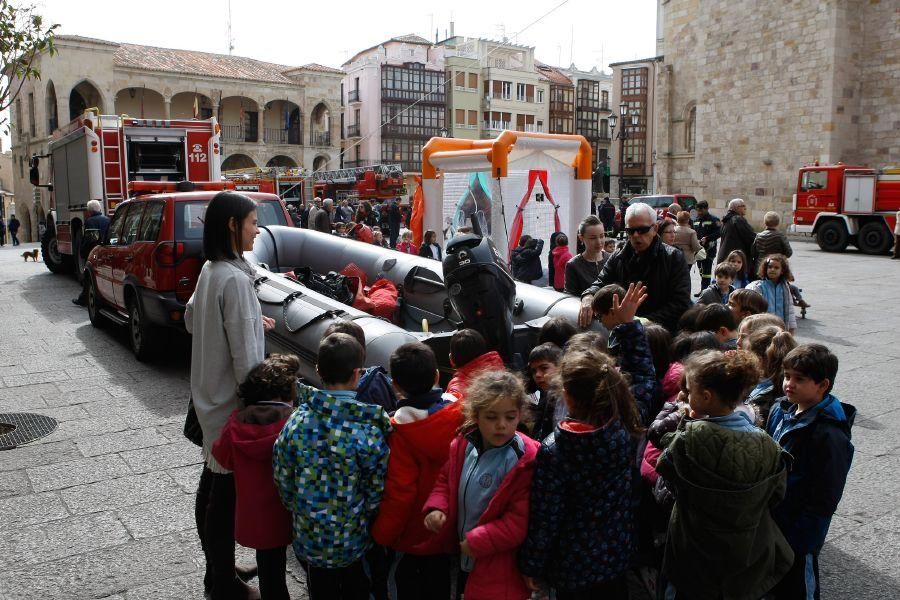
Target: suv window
[[115, 226], [152, 220], [132, 222], [189, 217]]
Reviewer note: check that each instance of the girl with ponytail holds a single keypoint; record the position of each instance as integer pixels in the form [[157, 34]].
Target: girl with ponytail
[[581, 534], [770, 344], [725, 473]]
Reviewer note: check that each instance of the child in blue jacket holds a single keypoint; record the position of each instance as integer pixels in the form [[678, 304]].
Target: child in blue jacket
[[813, 426]]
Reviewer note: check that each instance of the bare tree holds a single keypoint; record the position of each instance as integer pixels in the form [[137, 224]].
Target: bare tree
[[23, 36]]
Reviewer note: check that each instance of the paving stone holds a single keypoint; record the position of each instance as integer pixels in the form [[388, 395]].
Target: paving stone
[[27, 391], [58, 398], [187, 478], [162, 457], [12, 370], [61, 413], [54, 363], [153, 519], [32, 544], [130, 439], [14, 483], [22, 404], [183, 587], [31, 509], [120, 493], [111, 384], [75, 472], [31, 455], [84, 428], [12, 381], [102, 573]]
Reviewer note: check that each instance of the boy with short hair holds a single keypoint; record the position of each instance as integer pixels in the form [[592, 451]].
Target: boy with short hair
[[719, 319], [543, 363], [424, 425], [374, 385], [469, 356], [602, 304], [718, 292], [329, 464], [813, 426], [744, 302]]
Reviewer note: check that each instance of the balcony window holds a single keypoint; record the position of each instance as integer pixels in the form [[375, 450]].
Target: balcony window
[[520, 92], [540, 96]]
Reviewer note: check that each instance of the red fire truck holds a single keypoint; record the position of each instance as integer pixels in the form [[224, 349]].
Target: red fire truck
[[288, 183], [112, 158], [377, 182], [843, 204]]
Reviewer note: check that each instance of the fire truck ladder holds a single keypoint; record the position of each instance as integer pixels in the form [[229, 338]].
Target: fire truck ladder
[[352, 174], [112, 165]]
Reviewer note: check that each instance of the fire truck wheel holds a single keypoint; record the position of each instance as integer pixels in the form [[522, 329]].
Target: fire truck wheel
[[832, 236], [140, 332], [79, 261], [94, 304], [873, 238], [56, 262]]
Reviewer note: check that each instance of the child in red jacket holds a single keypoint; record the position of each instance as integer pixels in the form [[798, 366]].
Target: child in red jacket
[[561, 255], [479, 505], [469, 356], [245, 447], [424, 424]]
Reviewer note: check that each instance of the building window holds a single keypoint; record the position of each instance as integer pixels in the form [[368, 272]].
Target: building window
[[520, 92], [540, 126], [540, 96], [634, 153], [690, 130], [32, 124], [473, 119], [459, 80], [19, 127], [604, 99], [473, 81], [634, 81], [505, 90], [460, 117]]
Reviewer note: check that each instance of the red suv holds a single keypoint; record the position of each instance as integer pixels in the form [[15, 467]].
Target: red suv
[[144, 272]]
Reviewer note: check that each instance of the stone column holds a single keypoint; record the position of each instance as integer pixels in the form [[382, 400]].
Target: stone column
[[167, 108]]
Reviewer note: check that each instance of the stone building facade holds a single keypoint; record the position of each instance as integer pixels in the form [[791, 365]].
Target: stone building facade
[[271, 115], [749, 92]]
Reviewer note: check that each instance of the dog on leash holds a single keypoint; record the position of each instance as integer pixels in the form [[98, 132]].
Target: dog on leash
[[33, 254]]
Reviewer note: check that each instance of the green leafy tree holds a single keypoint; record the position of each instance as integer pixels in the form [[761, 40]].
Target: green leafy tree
[[23, 36]]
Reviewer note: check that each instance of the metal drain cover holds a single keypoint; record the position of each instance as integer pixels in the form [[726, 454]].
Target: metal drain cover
[[20, 428]]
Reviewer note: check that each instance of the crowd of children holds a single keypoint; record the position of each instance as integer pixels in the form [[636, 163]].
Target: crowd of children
[[708, 464]]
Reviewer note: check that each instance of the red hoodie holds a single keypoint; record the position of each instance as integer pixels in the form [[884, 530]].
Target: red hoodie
[[245, 447], [419, 449], [561, 255], [464, 375], [500, 531]]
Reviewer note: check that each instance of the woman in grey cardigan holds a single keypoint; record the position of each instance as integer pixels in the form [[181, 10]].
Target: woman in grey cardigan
[[227, 326]]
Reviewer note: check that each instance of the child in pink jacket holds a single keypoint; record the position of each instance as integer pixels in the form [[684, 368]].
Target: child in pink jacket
[[479, 505]]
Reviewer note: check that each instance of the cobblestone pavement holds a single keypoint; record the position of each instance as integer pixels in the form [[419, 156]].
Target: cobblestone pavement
[[103, 507]]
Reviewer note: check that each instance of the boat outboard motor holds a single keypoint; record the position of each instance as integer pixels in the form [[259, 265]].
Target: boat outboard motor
[[480, 286]]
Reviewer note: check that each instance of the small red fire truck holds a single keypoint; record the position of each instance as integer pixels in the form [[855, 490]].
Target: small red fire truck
[[844, 204], [112, 158], [377, 182], [288, 183]]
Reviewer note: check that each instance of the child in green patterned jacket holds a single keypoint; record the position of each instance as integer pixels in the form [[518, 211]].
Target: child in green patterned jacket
[[329, 464]]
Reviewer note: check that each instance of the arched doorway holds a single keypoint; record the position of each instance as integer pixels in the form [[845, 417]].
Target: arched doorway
[[239, 118], [237, 161], [84, 95], [140, 102], [320, 126], [51, 108], [24, 215], [182, 106], [281, 160], [283, 123], [320, 163], [40, 219]]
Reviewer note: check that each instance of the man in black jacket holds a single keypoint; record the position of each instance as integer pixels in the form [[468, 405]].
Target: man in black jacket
[[646, 259], [708, 228], [737, 234]]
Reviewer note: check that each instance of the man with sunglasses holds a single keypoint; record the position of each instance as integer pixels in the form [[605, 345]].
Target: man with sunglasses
[[645, 258]]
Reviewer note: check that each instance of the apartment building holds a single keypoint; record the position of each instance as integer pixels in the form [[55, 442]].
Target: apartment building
[[394, 102], [632, 159]]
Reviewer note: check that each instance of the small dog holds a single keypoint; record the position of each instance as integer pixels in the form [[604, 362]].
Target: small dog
[[33, 254]]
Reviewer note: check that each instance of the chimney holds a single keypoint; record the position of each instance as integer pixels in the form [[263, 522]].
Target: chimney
[[437, 33], [452, 34]]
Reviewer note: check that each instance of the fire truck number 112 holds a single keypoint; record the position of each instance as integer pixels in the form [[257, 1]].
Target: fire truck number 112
[[197, 154]]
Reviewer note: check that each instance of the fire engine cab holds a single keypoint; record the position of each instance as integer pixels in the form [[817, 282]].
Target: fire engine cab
[[112, 158], [377, 182], [843, 204]]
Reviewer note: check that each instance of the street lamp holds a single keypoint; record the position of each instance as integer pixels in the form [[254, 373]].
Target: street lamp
[[635, 115]]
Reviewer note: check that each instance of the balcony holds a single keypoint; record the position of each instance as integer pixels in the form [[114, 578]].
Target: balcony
[[239, 133], [283, 136], [409, 131], [320, 138], [391, 94], [353, 96], [353, 131]]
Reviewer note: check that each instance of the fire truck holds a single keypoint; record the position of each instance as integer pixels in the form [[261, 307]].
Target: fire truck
[[844, 204], [288, 183], [377, 182], [111, 158]]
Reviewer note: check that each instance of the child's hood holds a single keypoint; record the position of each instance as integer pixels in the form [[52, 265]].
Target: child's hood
[[342, 409], [559, 250], [253, 432], [830, 410], [488, 360], [431, 436]]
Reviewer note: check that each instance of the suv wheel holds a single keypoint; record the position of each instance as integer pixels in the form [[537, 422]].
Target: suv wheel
[[93, 303], [140, 332]]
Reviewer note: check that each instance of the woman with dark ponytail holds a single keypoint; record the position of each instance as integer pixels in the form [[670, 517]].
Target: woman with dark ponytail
[[770, 344], [581, 533], [726, 473]]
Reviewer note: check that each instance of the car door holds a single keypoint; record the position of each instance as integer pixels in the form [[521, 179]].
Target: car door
[[143, 247], [124, 253], [102, 256]]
